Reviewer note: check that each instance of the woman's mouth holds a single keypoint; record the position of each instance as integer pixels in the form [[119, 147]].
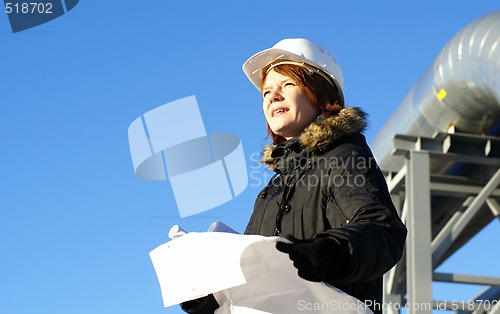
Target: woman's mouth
[[279, 111]]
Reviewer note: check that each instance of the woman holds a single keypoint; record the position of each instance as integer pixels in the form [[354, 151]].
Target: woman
[[328, 195]]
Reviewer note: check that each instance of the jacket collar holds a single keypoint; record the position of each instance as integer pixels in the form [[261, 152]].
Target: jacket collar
[[321, 134]]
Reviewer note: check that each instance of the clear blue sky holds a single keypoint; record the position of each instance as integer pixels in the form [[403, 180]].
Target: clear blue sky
[[76, 224]]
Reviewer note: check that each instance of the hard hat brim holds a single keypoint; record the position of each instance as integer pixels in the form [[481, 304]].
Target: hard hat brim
[[254, 65]]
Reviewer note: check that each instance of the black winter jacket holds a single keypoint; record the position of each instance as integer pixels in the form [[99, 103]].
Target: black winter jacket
[[327, 184]]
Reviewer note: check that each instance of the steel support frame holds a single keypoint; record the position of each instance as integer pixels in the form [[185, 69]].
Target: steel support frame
[[418, 244], [454, 227], [411, 188]]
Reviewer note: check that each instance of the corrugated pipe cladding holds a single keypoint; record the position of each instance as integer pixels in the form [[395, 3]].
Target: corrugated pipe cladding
[[461, 88]]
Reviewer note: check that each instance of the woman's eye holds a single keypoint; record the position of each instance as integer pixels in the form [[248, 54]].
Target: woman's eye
[[265, 93], [289, 84]]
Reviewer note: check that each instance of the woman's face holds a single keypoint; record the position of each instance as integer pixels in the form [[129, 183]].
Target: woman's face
[[286, 106]]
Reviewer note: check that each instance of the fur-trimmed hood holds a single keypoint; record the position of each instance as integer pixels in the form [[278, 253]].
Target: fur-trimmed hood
[[323, 132]]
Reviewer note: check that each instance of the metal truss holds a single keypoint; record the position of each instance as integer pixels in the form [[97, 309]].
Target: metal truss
[[446, 191]]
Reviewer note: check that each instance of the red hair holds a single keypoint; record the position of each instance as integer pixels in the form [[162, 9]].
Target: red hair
[[321, 93]]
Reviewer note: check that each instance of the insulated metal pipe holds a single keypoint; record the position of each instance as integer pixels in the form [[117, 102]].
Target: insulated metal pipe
[[461, 88]]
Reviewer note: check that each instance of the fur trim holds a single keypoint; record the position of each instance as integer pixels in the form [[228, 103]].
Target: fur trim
[[266, 156], [322, 133]]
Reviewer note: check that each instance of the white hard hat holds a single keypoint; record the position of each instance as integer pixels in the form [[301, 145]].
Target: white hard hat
[[299, 50]]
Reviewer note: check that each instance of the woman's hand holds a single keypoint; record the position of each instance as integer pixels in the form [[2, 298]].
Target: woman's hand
[[316, 259], [203, 305]]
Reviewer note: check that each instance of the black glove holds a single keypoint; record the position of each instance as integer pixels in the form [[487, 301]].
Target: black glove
[[203, 305], [317, 259]]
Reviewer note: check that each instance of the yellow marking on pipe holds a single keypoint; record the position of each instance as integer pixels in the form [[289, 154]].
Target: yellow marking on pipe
[[441, 94]]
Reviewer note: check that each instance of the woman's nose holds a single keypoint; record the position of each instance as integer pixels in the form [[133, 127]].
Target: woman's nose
[[275, 96]]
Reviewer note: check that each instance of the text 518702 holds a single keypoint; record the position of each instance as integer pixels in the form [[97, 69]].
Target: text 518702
[[28, 8]]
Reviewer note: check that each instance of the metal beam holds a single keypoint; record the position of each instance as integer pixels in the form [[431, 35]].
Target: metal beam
[[469, 279], [397, 180], [459, 147], [493, 205], [392, 292], [458, 189], [462, 222], [444, 233], [418, 250]]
